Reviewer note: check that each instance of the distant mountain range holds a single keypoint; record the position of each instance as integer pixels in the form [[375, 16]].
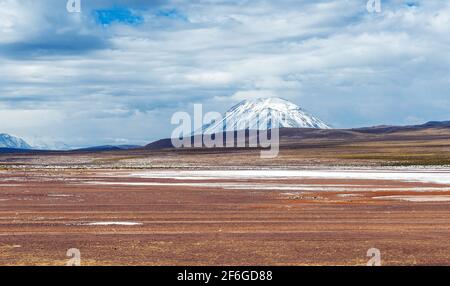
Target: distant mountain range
[[8, 141], [108, 148], [296, 127], [295, 137], [40, 144], [12, 144]]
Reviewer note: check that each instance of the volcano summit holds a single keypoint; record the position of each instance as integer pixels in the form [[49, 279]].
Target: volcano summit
[[278, 113]]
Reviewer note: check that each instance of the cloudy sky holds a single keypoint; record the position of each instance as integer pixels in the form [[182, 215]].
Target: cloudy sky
[[116, 72]]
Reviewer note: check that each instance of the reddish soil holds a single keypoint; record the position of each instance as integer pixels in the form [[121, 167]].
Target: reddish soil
[[43, 213]]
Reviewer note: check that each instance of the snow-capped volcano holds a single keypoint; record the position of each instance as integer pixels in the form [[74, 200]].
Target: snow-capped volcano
[[8, 141], [262, 114]]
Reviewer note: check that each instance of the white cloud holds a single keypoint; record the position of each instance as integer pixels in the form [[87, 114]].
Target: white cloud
[[252, 94], [19, 19], [331, 57], [22, 120], [210, 77]]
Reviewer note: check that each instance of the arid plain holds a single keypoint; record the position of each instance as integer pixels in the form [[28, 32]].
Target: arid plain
[[317, 203]]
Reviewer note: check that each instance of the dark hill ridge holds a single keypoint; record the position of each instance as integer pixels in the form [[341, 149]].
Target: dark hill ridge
[[17, 150], [391, 129], [108, 148], [290, 137]]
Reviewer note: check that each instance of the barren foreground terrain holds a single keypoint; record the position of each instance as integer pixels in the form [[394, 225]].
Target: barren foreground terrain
[[320, 202], [231, 216]]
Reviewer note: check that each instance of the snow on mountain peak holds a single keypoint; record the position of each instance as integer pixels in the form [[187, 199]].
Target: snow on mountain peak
[[8, 141], [262, 114]]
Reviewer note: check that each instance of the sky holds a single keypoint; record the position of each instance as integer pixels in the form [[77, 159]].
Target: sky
[[116, 72]]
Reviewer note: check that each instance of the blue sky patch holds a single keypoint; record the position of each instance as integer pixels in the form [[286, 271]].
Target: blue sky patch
[[118, 15], [412, 4], [173, 14]]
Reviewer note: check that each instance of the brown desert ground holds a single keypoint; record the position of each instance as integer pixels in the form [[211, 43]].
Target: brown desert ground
[[315, 204]]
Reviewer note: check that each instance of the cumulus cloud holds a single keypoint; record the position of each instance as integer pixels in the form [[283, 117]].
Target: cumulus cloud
[[120, 69]]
